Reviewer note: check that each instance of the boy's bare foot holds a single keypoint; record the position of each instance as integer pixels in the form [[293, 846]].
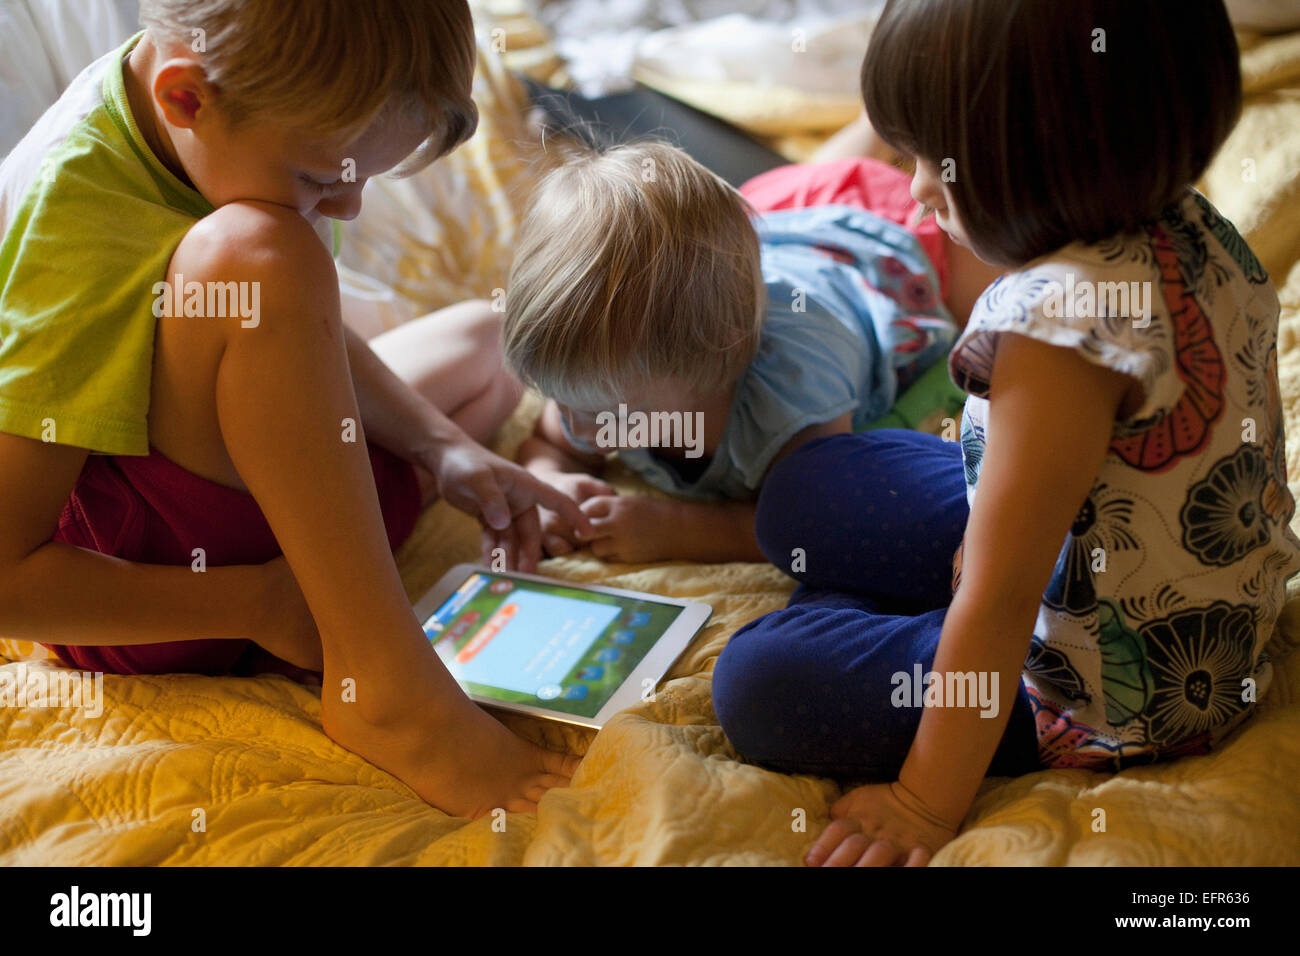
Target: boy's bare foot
[[444, 747]]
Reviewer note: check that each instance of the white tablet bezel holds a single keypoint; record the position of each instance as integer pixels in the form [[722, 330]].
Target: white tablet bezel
[[653, 666]]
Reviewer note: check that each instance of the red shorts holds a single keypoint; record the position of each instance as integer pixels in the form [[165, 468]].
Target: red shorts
[[856, 181], [149, 510]]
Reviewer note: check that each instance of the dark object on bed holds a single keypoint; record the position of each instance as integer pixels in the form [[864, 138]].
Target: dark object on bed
[[642, 112]]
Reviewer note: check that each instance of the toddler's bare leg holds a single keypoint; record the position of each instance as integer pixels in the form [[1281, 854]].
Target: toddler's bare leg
[[453, 358], [858, 138]]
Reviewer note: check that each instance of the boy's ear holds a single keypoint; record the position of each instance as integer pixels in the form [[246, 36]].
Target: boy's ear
[[181, 89]]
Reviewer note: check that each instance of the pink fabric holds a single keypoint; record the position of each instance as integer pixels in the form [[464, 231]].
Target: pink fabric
[[149, 510], [856, 181]]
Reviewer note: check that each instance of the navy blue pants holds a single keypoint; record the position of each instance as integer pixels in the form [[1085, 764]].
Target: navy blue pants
[[867, 523]]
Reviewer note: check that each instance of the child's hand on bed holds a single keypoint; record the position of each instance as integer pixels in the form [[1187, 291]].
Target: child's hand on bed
[[873, 826], [632, 529]]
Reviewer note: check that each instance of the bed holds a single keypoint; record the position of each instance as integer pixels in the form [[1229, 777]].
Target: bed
[[197, 770]]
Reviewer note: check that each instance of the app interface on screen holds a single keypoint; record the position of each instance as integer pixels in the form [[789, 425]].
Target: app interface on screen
[[544, 644]]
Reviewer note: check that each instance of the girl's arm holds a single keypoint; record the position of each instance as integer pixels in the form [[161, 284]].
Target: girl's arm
[[1051, 416]]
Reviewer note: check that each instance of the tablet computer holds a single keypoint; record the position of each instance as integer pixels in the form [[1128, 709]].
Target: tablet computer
[[576, 653]]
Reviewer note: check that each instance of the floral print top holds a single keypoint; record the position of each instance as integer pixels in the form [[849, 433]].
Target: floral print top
[[1149, 639]]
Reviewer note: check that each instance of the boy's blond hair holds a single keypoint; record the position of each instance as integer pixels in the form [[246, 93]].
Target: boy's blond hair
[[333, 64], [633, 265]]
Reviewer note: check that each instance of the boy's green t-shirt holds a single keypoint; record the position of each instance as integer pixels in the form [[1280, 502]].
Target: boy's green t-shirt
[[90, 225]]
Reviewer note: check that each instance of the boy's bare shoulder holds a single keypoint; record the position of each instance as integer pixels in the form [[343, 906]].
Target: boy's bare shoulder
[[254, 240]]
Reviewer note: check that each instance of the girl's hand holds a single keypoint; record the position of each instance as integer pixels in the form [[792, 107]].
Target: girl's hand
[[632, 529], [558, 535], [878, 825], [503, 497]]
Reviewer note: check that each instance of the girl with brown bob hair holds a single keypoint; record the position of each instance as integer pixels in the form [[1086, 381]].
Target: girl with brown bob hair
[[1088, 577]]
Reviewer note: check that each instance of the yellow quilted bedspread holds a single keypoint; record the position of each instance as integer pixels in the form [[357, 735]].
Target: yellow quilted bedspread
[[186, 769]]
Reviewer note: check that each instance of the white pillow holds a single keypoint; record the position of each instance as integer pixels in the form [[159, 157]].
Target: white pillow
[[27, 83], [44, 44], [76, 33]]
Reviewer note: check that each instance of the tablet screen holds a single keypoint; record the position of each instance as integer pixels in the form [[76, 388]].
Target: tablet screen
[[544, 644]]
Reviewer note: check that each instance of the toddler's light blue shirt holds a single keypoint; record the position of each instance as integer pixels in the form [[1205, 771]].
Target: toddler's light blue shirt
[[854, 316]]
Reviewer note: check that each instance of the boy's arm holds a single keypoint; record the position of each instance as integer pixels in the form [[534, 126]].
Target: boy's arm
[[54, 593], [499, 493], [395, 416], [1045, 449]]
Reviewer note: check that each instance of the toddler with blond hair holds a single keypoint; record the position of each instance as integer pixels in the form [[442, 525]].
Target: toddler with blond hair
[[670, 323]]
